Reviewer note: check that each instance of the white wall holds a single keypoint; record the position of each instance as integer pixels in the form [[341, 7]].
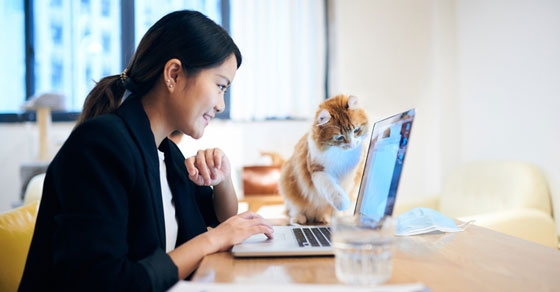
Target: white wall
[[509, 60], [484, 76], [383, 54], [19, 144]]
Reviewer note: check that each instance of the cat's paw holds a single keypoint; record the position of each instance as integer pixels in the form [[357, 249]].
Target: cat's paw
[[325, 219], [298, 219], [341, 202]]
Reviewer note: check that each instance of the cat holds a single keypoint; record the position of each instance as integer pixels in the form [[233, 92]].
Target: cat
[[324, 167]]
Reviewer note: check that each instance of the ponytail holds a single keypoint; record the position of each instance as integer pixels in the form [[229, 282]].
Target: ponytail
[[104, 98]]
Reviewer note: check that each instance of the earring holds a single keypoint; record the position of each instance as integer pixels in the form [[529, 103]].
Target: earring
[[169, 83]]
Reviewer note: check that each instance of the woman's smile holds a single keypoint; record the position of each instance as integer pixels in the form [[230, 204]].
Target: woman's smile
[[207, 118]]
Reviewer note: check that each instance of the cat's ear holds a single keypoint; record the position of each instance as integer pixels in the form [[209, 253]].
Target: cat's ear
[[323, 117], [352, 102]]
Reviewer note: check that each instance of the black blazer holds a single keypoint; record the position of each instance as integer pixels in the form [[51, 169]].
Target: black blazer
[[100, 224]]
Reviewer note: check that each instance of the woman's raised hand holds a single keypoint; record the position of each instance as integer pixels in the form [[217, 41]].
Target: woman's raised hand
[[209, 167], [238, 228]]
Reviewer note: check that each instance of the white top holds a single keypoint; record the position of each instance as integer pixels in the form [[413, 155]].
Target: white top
[[171, 225]]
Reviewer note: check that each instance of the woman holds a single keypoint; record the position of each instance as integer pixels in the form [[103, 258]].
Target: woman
[[121, 208]]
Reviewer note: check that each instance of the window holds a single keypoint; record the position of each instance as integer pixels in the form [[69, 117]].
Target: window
[[147, 12], [56, 3], [75, 43], [12, 55], [106, 8], [56, 30], [106, 42], [81, 44], [72, 44]]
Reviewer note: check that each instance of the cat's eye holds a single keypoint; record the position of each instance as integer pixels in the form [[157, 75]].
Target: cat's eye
[[339, 138], [356, 130]]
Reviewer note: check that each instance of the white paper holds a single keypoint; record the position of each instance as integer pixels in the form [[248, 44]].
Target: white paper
[[183, 286]]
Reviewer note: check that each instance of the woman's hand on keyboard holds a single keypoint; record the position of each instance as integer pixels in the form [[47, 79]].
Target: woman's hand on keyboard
[[238, 228]]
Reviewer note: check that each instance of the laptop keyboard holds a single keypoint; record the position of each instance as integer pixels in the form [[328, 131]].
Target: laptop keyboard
[[313, 236]]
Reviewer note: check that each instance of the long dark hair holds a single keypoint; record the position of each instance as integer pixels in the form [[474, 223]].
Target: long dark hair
[[189, 36]]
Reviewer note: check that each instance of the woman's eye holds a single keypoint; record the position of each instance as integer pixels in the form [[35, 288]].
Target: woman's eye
[[222, 87]]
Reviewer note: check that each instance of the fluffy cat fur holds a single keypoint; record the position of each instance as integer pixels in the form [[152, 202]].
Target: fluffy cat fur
[[324, 167]]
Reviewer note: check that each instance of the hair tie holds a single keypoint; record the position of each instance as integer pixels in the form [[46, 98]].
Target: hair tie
[[127, 81], [124, 77]]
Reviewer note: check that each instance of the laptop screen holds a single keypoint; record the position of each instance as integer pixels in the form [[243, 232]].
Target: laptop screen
[[384, 161]]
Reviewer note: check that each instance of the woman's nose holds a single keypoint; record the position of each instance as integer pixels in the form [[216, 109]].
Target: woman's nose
[[221, 106]]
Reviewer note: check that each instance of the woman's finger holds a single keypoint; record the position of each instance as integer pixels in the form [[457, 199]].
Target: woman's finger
[[218, 156], [209, 156], [259, 221], [191, 169], [202, 167], [268, 231]]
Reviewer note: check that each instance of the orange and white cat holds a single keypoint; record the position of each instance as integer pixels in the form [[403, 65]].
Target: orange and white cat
[[323, 169]]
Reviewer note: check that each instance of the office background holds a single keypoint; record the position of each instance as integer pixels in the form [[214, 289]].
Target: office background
[[483, 75]]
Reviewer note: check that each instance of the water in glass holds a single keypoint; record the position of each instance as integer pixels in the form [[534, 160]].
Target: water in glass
[[363, 256]]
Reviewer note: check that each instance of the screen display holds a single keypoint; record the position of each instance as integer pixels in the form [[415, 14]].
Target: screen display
[[382, 172]]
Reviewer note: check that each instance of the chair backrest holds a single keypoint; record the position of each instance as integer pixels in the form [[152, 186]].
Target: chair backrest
[[34, 189], [490, 186], [16, 231]]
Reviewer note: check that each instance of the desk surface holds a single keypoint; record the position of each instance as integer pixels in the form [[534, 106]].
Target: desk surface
[[477, 259]]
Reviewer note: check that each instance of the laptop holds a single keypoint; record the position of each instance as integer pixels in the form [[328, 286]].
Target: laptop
[[376, 196]]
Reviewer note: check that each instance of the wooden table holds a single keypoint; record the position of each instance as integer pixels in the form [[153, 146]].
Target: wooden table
[[477, 259]]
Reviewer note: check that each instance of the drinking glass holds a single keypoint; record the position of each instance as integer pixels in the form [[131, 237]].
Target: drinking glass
[[363, 249]]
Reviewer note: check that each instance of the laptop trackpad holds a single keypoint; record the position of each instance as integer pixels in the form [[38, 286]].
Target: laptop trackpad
[[261, 238]]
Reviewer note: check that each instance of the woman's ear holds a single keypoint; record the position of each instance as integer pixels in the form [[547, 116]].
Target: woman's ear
[[171, 72]]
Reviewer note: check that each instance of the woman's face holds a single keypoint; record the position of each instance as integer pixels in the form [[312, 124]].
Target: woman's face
[[202, 96]]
